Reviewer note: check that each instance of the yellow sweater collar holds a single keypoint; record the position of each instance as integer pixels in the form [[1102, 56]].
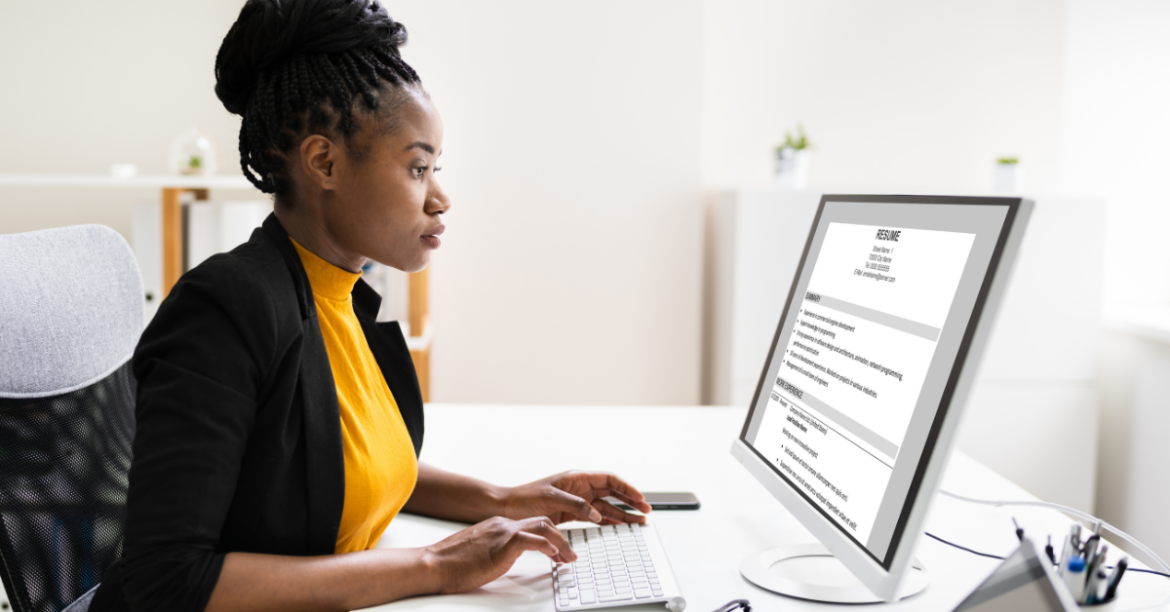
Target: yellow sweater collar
[[327, 280]]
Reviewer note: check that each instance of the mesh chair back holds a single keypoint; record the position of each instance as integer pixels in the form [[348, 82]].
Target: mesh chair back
[[71, 312]]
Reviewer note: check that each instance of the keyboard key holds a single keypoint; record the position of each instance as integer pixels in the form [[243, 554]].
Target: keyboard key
[[615, 597], [642, 593], [588, 597]]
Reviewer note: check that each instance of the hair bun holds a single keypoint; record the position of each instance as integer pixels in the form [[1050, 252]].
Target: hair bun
[[268, 32]]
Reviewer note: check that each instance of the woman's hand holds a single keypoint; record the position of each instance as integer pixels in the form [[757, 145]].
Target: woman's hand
[[575, 496], [485, 551]]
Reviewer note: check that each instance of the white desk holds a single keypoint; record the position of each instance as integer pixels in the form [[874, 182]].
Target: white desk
[[687, 449]]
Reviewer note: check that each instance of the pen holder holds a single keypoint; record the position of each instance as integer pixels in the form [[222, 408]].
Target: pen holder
[[1104, 606]]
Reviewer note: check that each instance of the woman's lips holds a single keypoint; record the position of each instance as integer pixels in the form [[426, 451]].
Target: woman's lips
[[431, 238]]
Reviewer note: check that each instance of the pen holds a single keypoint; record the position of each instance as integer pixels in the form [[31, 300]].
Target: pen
[[1048, 551], [1074, 577], [1091, 547], [1091, 569], [1065, 553], [734, 605], [1094, 567], [1115, 578]]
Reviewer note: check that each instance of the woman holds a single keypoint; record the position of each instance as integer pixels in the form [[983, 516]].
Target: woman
[[278, 426]]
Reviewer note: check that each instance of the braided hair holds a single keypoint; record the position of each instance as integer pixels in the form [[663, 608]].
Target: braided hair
[[291, 67]]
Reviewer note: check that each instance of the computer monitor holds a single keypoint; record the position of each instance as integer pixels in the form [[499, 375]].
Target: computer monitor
[[863, 387]]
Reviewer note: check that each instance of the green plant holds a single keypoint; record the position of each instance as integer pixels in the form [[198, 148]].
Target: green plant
[[1008, 161], [195, 162], [796, 143]]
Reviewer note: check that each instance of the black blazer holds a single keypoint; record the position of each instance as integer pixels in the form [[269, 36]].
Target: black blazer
[[238, 442]]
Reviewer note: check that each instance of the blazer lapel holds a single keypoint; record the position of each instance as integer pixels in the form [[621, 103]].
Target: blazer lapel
[[324, 457]]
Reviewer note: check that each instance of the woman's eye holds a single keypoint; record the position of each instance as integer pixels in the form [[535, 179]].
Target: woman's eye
[[436, 169], [419, 172]]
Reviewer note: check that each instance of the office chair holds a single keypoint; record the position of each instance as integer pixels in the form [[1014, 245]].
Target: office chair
[[71, 312]]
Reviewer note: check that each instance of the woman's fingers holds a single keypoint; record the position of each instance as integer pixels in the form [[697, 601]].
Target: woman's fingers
[[615, 514], [606, 483], [522, 541], [574, 506], [543, 527]]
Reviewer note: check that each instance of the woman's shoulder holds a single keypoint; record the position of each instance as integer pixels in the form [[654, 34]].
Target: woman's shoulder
[[247, 293], [253, 270]]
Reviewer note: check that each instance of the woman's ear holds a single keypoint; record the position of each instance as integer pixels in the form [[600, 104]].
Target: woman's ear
[[319, 157]]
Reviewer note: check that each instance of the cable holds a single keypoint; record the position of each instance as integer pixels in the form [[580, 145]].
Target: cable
[[991, 556], [964, 548], [1074, 512]]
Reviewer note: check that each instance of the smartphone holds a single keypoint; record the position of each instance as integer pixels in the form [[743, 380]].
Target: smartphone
[[667, 501]]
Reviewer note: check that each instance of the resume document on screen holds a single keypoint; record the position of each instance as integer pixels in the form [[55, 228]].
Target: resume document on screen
[[848, 396]]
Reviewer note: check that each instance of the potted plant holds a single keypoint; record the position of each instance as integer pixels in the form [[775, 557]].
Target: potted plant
[[792, 160], [1008, 175]]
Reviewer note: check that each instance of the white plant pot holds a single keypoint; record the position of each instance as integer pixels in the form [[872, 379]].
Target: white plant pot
[[792, 169], [1008, 179]]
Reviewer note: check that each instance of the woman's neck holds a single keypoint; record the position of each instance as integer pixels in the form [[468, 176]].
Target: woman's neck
[[311, 232]]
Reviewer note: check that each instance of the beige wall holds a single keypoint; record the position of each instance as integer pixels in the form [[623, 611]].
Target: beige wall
[[897, 96], [580, 137], [570, 270], [89, 84]]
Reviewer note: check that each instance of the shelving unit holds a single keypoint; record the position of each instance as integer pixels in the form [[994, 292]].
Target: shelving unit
[[171, 188]]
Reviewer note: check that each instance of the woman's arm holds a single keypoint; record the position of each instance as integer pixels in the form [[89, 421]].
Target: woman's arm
[[454, 497], [473, 557], [564, 497]]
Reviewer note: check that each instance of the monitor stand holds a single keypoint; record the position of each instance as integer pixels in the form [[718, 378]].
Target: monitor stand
[[809, 571]]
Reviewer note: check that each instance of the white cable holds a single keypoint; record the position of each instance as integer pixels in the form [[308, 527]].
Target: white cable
[[1071, 511]]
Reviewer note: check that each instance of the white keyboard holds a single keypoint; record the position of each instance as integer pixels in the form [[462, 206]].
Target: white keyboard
[[617, 565]]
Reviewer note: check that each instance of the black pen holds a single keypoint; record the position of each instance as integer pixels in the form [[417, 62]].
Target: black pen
[[735, 604], [1091, 547], [1115, 579]]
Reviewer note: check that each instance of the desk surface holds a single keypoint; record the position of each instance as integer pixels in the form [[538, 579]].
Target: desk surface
[[688, 449]]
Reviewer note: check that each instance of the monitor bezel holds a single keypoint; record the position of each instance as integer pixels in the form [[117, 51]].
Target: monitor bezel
[[883, 576]]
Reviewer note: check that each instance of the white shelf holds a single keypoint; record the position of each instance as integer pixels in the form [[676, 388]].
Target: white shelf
[[153, 181]]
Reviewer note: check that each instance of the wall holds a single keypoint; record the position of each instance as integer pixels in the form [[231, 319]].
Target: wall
[[579, 139], [897, 96], [89, 84], [1115, 129], [570, 270], [1132, 472]]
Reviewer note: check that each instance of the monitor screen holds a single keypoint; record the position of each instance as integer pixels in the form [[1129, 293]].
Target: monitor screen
[[863, 365]]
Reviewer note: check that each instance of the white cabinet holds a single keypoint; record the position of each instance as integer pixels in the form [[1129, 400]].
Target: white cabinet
[[1037, 388]]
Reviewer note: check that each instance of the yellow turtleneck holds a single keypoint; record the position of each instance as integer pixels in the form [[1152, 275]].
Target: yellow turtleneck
[[380, 466]]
